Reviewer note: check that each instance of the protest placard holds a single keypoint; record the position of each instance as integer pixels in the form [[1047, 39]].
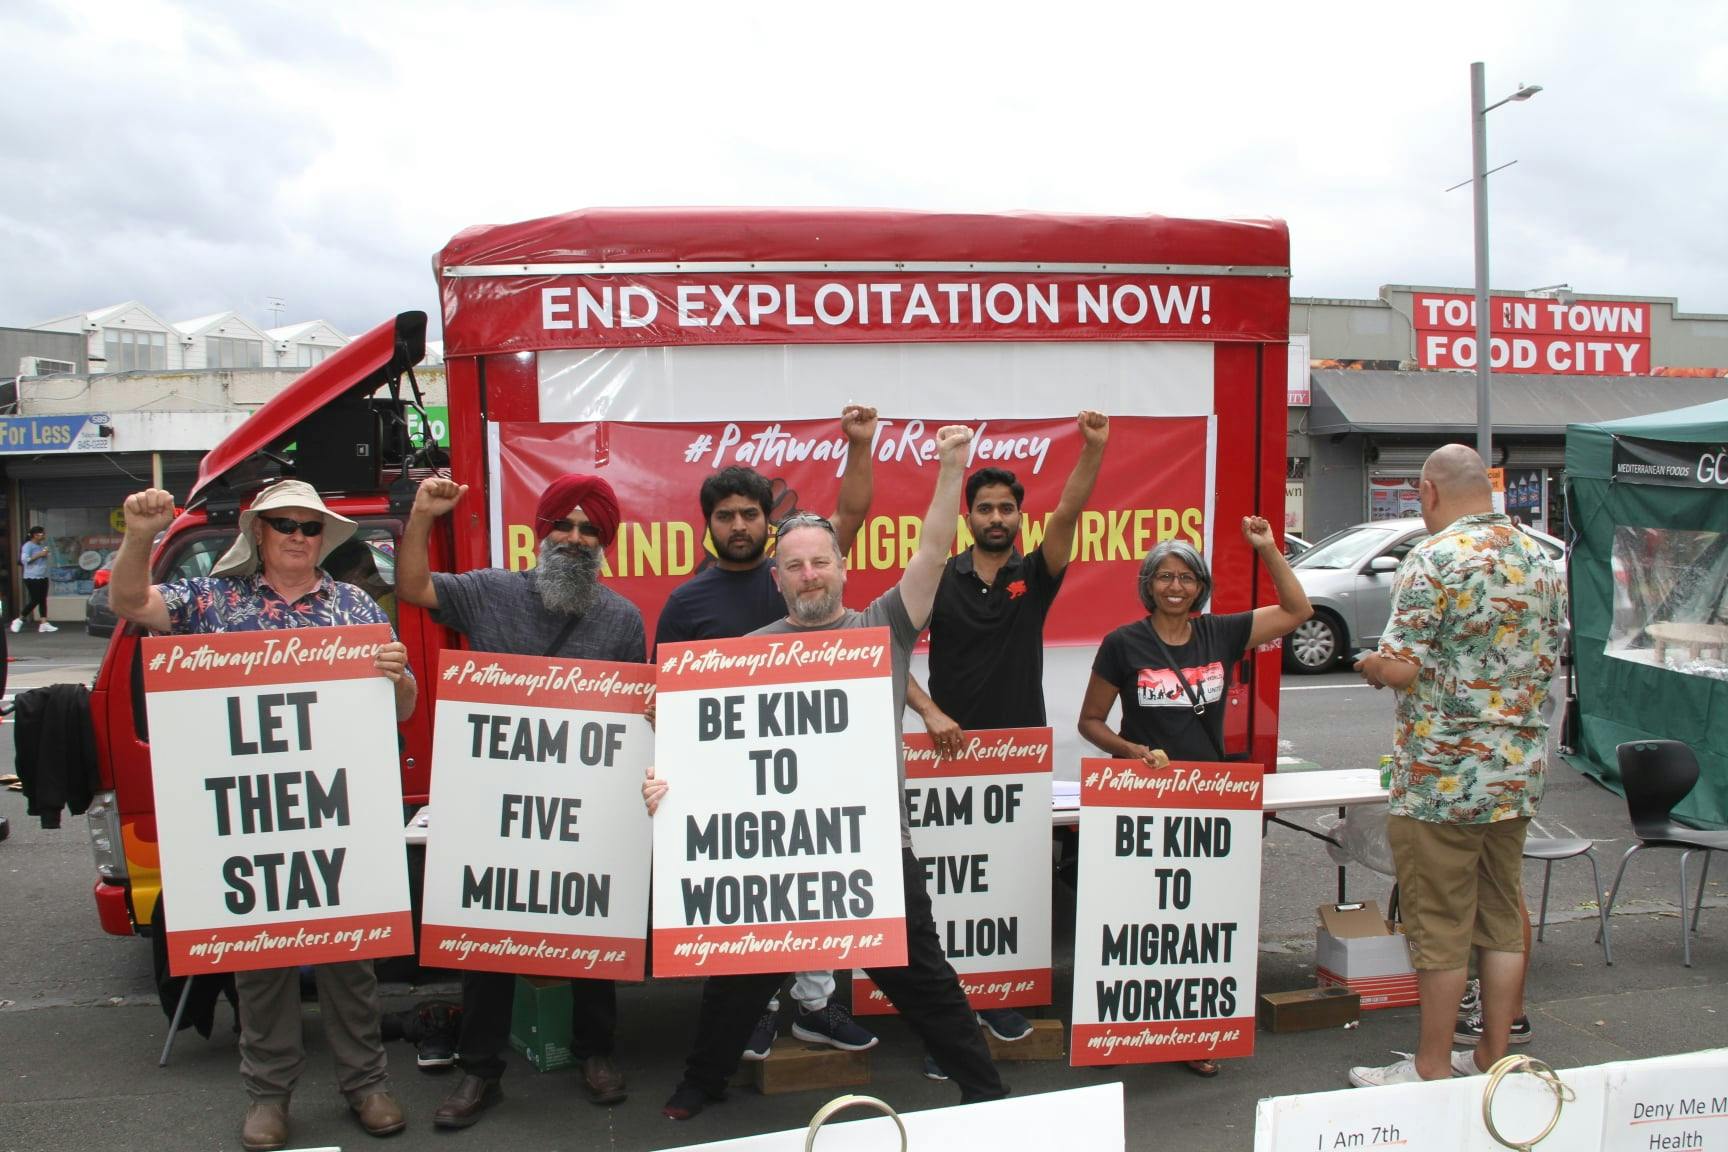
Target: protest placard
[[981, 829], [538, 848], [278, 798], [777, 845], [1167, 919]]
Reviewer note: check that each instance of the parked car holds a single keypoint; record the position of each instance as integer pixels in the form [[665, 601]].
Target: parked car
[[1348, 578], [1294, 546], [99, 619]]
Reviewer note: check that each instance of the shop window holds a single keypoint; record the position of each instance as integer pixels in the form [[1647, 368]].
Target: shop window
[[1671, 599], [80, 540]]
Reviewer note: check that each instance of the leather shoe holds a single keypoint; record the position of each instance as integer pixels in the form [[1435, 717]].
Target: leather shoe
[[265, 1127], [605, 1083], [472, 1096], [380, 1114]]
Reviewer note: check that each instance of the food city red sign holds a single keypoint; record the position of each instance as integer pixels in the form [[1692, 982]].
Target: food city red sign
[[1152, 487], [1535, 334]]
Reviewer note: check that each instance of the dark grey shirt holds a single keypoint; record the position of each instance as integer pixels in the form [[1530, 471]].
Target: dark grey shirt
[[500, 611], [886, 611]]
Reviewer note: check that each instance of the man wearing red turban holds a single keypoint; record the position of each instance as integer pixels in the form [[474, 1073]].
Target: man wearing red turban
[[557, 608]]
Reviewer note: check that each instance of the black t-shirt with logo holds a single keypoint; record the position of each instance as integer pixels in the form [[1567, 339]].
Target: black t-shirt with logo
[[987, 642], [1156, 709]]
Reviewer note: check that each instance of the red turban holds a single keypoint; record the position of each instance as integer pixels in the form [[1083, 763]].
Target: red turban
[[599, 503]]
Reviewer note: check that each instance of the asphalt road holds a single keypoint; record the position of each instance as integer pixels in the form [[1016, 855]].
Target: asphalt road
[[80, 1028]]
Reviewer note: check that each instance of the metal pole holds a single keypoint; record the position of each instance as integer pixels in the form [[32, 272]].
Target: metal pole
[[1479, 181]]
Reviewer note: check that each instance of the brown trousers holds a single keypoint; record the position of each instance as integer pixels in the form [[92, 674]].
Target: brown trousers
[[272, 1043]]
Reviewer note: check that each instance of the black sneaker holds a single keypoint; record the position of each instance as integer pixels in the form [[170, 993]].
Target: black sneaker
[[762, 1037], [1469, 1030], [1005, 1024], [433, 1029], [933, 1070], [436, 1051], [1472, 1000], [834, 1027]]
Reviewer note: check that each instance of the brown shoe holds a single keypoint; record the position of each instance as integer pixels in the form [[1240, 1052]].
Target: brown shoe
[[473, 1095], [265, 1127], [605, 1083], [380, 1114]]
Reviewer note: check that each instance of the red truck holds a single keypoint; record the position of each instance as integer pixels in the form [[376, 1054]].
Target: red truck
[[654, 346]]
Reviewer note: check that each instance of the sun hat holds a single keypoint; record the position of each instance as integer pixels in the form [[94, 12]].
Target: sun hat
[[241, 559]]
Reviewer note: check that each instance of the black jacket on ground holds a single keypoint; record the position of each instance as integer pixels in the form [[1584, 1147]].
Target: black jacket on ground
[[56, 750]]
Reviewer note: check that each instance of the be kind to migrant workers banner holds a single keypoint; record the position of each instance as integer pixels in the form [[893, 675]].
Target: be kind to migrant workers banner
[[1152, 486], [777, 844], [538, 847], [981, 831], [278, 798], [1167, 919]]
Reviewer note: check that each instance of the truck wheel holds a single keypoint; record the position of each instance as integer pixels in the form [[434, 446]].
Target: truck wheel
[[1315, 645]]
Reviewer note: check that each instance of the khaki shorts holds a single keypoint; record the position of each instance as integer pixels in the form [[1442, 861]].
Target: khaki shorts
[[1459, 885]]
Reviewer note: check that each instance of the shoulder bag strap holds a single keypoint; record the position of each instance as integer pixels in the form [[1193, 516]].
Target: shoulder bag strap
[[1188, 689]]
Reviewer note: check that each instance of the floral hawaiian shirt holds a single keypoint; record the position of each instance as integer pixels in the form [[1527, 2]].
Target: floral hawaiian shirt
[[249, 604], [1477, 607]]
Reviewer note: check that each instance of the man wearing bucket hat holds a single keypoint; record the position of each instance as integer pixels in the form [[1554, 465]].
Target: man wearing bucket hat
[[270, 578], [557, 608]]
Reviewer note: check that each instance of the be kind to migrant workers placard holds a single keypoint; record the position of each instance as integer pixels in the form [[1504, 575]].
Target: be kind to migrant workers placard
[[538, 846], [777, 845], [981, 831], [1167, 919], [278, 798]]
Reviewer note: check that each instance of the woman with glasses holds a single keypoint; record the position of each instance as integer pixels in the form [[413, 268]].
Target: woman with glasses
[[1171, 669]]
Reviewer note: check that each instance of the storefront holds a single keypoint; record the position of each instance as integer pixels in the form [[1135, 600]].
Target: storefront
[[58, 475]]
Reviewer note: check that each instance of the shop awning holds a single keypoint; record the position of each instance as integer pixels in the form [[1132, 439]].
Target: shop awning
[[1444, 403]]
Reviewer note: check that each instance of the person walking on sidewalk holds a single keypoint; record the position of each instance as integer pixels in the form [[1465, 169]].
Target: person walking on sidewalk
[[987, 627], [558, 608], [270, 579], [34, 557], [1471, 649]]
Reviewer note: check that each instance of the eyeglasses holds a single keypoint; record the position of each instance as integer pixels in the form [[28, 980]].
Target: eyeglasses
[[288, 526], [587, 528], [1185, 579]]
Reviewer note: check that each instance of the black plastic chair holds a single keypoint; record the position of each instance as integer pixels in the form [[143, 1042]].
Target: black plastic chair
[[1658, 774]]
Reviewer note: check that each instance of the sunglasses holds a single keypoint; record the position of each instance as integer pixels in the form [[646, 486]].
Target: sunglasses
[[587, 530], [288, 526]]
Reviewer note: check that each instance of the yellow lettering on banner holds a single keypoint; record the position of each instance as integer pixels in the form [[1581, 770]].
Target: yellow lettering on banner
[[519, 550], [962, 537], [1032, 534], [656, 549], [1191, 524], [1118, 536], [1091, 535]]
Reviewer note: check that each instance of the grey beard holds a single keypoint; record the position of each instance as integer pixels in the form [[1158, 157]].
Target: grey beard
[[568, 578], [809, 612]]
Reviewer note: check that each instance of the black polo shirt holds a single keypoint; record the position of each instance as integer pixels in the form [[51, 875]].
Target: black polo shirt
[[987, 642]]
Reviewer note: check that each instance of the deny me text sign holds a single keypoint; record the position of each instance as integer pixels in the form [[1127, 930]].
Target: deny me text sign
[[1167, 920], [278, 798], [537, 853], [777, 844]]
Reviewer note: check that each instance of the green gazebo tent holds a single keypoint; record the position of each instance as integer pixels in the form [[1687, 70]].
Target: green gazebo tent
[[1647, 498]]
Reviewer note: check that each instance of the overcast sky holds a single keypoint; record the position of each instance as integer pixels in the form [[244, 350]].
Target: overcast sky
[[206, 156]]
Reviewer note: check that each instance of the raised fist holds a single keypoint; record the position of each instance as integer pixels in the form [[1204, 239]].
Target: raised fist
[[952, 440], [148, 512], [859, 424], [1094, 428], [437, 495]]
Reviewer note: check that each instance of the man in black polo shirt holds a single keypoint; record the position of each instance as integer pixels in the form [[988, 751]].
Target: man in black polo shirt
[[987, 628]]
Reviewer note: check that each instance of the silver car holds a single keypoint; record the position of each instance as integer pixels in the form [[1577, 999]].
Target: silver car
[[1348, 578]]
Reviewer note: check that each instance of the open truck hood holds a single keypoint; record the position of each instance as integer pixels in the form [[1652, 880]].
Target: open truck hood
[[358, 368]]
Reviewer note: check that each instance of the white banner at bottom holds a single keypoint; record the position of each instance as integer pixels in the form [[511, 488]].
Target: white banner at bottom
[[1677, 1102]]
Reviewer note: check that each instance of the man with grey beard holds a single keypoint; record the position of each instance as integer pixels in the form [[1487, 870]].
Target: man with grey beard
[[558, 608]]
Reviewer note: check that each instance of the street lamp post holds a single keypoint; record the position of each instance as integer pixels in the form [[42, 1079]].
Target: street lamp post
[[1479, 182]]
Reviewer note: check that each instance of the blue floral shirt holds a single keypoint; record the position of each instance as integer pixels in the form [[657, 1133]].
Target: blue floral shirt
[[250, 604]]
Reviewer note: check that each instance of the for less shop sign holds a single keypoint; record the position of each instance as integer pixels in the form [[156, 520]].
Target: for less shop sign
[[1572, 338]]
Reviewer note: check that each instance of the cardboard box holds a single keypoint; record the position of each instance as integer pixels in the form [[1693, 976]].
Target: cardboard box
[[1358, 950], [1308, 1008], [540, 1022]]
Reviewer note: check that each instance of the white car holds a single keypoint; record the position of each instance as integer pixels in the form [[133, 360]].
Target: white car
[[1348, 578]]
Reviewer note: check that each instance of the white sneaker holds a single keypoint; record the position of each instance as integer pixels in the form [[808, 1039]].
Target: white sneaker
[[46, 627], [1403, 1072], [18, 624], [1464, 1063]]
